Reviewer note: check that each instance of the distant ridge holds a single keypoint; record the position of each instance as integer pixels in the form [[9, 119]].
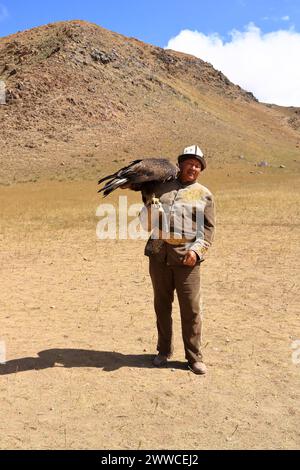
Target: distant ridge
[[80, 97]]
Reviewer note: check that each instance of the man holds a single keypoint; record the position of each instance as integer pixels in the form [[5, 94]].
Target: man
[[183, 230]]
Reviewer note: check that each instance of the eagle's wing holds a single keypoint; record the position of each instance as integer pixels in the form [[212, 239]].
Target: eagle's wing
[[138, 173], [120, 172]]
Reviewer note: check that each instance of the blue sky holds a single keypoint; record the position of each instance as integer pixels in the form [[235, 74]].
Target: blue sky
[[255, 43], [153, 21]]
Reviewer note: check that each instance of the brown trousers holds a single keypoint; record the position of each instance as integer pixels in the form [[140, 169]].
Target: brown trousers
[[186, 281]]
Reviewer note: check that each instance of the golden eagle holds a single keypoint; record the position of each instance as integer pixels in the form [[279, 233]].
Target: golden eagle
[[141, 175]]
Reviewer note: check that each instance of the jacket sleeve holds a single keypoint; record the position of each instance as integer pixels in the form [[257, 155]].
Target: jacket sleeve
[[152, 216], [149, 217], [145, 218], [201, 244]]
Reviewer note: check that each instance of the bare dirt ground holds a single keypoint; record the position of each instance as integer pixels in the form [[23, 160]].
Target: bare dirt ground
[[78, 323]]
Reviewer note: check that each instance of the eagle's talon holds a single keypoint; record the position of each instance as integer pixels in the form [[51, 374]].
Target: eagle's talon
[[155, 202]]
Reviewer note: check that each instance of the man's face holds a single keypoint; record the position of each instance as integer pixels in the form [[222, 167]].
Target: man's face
[[189, 170]]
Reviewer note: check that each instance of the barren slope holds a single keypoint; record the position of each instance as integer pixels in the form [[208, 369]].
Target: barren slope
[[80, 98]]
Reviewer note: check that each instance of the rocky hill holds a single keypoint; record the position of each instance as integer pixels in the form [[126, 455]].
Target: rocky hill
[[81, 99]]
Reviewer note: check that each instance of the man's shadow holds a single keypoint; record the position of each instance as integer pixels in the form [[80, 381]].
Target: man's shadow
[[107, 360]]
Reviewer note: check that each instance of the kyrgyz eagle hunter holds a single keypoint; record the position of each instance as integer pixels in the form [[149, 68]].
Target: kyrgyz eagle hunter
[[141, 175]]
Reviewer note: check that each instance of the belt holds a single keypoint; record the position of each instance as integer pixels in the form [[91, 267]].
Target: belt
[[168, 238], [177, 241]]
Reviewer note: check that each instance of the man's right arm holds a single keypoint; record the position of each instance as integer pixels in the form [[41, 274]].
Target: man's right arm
[[145, 217], [150, 213]]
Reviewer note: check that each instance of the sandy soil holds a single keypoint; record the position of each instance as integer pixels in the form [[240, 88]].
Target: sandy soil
[[78, 323]]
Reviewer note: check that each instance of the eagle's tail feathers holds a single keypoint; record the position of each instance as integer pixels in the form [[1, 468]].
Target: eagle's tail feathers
[[120, 173], [134, 162], [125, 171], [112, 185], [107, 178]]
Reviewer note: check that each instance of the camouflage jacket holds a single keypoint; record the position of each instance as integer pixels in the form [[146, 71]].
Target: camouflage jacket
[[185, 222]]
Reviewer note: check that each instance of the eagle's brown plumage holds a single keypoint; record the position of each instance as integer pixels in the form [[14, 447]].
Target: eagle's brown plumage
[[140, 175]]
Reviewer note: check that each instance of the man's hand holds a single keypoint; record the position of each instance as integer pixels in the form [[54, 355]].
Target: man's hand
[[190, 259]]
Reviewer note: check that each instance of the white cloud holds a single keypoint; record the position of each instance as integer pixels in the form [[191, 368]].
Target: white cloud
[[3, 12], [276, 19], [266, 64]]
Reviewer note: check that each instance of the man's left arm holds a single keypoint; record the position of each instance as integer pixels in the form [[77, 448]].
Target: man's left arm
[[201, 244]]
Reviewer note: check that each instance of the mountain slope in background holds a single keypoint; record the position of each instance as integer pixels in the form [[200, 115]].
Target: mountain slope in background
[[82, 99]]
